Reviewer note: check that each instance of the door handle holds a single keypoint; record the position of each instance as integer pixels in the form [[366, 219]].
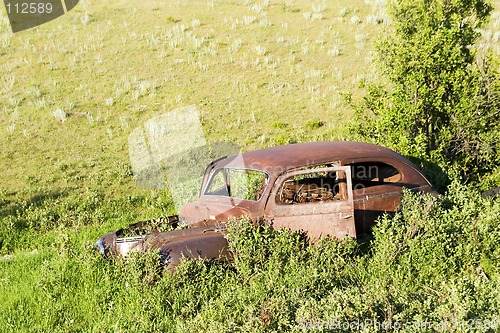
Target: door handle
[[348, 216]]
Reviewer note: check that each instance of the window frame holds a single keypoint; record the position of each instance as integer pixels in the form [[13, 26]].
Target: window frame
[[345, 194], [225, 175]]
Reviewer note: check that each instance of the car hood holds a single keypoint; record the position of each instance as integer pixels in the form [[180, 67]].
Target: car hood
[[213, 209]]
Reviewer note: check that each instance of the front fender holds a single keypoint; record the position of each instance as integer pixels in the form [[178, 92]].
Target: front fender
[[212, 245]]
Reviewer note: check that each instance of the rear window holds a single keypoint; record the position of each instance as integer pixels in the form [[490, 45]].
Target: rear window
[[368, 174]]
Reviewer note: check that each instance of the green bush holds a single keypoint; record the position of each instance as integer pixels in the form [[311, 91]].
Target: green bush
[[279, 124], [314, 124], [438, 101]]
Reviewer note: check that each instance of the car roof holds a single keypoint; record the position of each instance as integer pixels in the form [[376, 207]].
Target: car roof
[[278, 159]]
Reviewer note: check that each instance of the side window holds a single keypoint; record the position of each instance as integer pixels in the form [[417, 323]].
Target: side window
[[311, 187], [217, 184], [368, 174], [237, 183], [247, 184]]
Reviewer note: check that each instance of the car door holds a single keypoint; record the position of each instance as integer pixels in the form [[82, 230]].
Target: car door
[[318, 201]]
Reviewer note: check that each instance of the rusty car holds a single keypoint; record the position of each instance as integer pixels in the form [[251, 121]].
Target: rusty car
[[336, 189]]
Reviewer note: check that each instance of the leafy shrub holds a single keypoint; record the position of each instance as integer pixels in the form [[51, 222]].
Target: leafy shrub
[[283, 139], [441, 101], [279, 124], [430, 263], [434, 262], [314, 124]]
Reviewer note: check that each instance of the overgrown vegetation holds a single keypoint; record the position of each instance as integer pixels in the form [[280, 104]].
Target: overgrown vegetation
[[261, 73], [434, 263], [441, 101]]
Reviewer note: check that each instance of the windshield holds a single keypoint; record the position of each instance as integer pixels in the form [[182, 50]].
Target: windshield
[[245, 184]]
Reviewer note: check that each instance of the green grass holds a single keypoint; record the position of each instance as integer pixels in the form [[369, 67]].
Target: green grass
[[261, 74], [112, 66]]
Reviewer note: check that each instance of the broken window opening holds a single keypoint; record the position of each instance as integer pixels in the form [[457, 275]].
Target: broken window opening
[[368, 174], [312, 187]]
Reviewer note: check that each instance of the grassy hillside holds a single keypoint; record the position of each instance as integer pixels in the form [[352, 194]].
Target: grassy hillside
[[261, 74], [111, 66]]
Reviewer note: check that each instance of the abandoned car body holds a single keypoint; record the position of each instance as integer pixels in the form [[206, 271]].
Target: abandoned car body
[[335, 189]]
